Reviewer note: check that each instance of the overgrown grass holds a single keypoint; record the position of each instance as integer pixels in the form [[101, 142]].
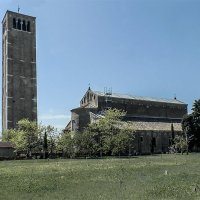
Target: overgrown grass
[[146, 177]]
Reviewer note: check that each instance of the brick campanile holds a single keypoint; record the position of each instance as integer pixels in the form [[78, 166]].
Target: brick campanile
[[19, 80]]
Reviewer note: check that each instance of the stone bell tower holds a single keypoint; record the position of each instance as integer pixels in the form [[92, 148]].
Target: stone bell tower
[[19, 80]]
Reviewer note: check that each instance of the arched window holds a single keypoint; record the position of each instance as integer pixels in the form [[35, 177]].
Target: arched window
[[28, 27], [24, 25], [14, 23], [19, 24]]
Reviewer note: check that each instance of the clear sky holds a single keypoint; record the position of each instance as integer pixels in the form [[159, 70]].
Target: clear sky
[[139, 47]]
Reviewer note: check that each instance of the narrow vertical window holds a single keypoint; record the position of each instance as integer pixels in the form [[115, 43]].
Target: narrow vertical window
[[24, 25], [14, 23], [28, 27], [19, 24], [4, 27]]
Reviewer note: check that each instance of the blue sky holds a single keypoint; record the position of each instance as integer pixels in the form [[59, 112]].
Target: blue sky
[[139, 47]]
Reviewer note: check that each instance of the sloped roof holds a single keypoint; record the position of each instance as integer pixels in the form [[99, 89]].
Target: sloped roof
[[143, 125], [6, 145], [88, 107], [154, 126], [141, 98]]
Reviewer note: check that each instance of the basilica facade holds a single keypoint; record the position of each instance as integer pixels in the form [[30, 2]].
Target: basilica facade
[[154, 120]]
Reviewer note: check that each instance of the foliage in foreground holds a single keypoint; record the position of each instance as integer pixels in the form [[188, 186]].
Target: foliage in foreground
[[107, 136], [180, 144], [191, 126], [29, 138]]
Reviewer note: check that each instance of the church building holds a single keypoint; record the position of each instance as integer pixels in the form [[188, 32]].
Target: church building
[[155, 120]]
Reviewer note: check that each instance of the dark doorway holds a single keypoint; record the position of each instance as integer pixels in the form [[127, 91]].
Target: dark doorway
[[153, 144]]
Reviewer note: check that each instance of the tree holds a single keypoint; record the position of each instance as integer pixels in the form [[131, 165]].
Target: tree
[[66, 144], [110, 135], [45, 145], [123, 141], [8, 134], [26, 137], [86, 143], [180, 143], [52, 134], [48, 139], [29, 137], [196, 107], [191, 125]]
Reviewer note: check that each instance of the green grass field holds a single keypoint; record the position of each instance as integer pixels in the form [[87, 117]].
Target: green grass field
[[111, 179]]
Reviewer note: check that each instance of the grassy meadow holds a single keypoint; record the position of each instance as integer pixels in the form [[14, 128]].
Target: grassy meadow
[[145, 177]]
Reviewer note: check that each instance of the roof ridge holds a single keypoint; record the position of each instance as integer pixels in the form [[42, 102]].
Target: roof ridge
[[144, 98]]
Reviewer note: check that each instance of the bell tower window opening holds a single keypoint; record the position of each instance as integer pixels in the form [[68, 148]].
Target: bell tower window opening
[[24, 25], [14, 23], [28, 26], [19, 27]]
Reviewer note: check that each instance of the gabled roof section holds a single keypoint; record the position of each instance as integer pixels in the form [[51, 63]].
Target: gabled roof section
[[88, 90], [141, 98]]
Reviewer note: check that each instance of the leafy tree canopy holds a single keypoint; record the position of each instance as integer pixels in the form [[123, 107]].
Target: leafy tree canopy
[[29, 137], [191, 125]]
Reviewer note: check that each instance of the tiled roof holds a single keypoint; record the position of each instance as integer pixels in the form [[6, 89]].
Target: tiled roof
[[141, 98], [142, 125], [153, 126], [5, 145]]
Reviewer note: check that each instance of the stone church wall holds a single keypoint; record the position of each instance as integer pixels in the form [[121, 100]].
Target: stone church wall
[[145, 108], [147, 142]]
